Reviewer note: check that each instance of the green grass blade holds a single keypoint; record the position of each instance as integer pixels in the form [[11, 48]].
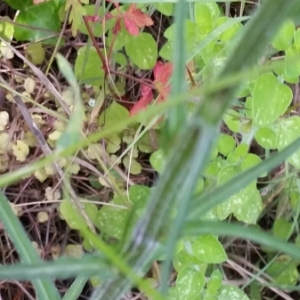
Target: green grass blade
[[247, 233], [202, 204], [75, 290], [62, 268], [45, 288], [177, 115]]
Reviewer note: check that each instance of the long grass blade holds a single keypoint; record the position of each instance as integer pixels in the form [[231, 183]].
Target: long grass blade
[[63, 268], [45, 288]]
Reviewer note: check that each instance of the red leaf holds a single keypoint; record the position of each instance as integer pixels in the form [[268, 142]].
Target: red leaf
[[142, 103], [117, 28], [134, 19], [131, 27], [162, 74]]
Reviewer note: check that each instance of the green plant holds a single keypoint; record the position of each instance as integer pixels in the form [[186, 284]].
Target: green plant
[[173, 222]]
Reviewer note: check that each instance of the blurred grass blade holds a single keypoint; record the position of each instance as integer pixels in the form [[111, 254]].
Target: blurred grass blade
[[62, 268], [72, 133], [202, 204], [177, 114], [45, 288], [197, 228], [75, 290]]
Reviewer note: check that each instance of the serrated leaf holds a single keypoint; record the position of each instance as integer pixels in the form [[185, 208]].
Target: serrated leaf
[[268, 90], [208, 249], [44, 16], [142, 51], [88, 66], [97, 27]]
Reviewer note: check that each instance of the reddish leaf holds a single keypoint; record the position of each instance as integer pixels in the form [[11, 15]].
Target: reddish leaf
[[162, 74], [142, 103], [131, 27], [117, 28], [134, 19]]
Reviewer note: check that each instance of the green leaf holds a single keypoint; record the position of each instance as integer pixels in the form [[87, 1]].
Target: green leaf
[[292, 63], [36, 53], [226, 144], [297, 39], [287, 131], [142, 51], [231, 31], [6, 29], [205, 16], [131, 164], [88, 66], [266, 138], [164, 8], [183, 259], [157, 160], [114, 113], [42, 16], [250, 160], [284, 37], [190, 33], [113, 144], [138, 195], [246, 205], [214, 283], [74, 219], [189, 284], [267, 88], [112, 221], [282, 228], [232, 120], [230, 292], [208, 249], [283, 271]]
